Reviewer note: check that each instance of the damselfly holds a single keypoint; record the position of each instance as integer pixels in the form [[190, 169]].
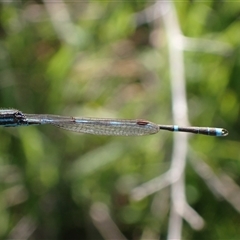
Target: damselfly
[[99, 126]]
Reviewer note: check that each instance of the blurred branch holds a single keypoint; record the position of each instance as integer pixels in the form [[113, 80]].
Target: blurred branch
[[175, 176], [148, 15], [62, 23], [155, 11], [153, 185], [15, 195], [179, 108], [192, 217], [182, 208], [24, 229], [89, 163], [99, 214], [149, 234], [222, 186], [206, 45]]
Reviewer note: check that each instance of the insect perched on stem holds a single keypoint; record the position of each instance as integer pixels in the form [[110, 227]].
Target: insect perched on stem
[[99, 126]]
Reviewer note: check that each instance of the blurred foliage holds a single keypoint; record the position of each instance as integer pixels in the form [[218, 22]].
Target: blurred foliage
[[99, 62]]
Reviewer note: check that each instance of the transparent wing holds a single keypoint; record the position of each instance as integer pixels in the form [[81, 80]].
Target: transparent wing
[[114, 127]]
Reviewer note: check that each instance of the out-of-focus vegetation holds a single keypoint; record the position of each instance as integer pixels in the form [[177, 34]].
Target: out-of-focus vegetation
[[94, 59]]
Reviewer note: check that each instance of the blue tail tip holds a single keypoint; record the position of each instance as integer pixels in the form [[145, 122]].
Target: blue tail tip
[[221, 132]]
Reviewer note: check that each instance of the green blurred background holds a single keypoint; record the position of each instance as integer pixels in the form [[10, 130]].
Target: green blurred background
[[97, 59]]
